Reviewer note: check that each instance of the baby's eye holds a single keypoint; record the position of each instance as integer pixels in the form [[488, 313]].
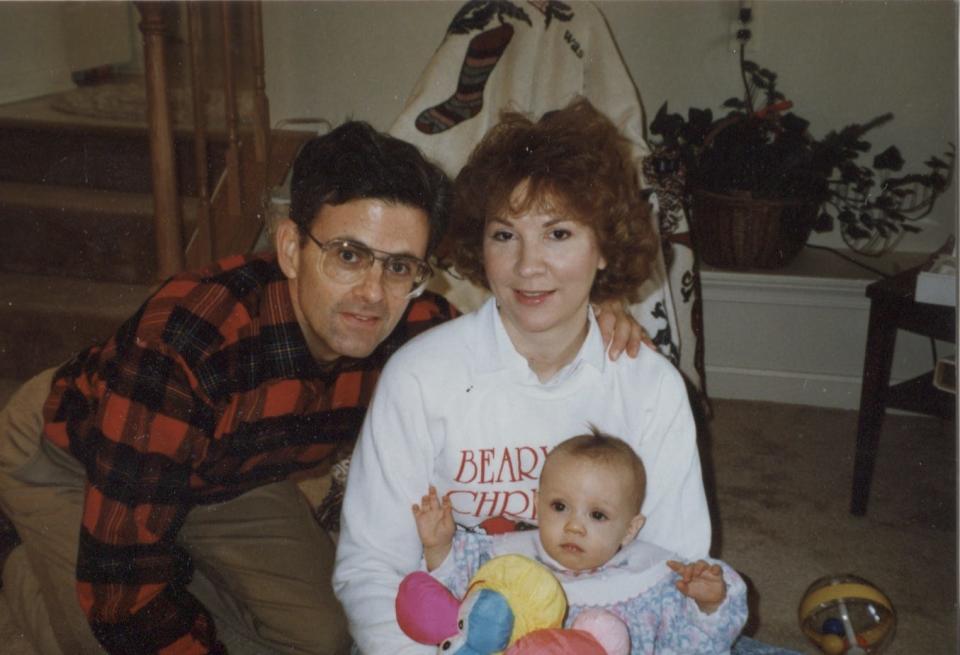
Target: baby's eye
[[597, 515], [557, 506]]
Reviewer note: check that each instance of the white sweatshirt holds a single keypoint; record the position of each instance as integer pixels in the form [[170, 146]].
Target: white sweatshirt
[[459, 408]]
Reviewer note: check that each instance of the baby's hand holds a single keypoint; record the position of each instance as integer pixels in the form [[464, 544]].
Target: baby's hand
[[702, 582], [434, 520]]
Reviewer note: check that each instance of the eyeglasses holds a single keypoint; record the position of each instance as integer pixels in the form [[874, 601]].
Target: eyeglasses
[[348, 262]]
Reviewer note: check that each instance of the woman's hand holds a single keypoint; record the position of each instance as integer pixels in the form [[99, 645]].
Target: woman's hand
[[435, 526], [619, 329], [703, 582]]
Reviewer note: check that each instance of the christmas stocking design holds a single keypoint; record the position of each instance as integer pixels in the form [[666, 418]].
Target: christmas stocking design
[[483, 53]]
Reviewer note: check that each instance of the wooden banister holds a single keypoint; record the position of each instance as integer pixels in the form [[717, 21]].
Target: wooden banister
[[261, 106], [226, 59], [199, 248], [234, 172], [166, 201]]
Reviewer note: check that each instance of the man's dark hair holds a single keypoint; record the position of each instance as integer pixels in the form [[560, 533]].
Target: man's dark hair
[[356, 162]]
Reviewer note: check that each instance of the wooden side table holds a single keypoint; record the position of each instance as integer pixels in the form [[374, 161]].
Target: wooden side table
[[892, 307]]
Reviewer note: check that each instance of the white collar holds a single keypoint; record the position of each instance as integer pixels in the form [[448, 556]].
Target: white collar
[[497, 352], [619, 559], [635, 568]]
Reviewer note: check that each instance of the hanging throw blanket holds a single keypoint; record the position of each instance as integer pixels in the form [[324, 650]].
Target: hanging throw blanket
[[535, 57]]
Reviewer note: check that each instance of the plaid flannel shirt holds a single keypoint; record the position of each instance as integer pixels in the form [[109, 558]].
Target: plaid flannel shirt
[[208, 391]]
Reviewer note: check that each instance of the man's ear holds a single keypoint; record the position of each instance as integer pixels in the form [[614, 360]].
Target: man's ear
[[633, 528], [287, 241]]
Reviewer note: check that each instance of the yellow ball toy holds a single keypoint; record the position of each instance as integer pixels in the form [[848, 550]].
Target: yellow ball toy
[[847, 615]]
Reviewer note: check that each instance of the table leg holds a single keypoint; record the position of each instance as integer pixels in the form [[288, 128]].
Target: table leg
[[878, 361]]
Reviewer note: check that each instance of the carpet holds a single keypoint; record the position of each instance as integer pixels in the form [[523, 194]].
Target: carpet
[[779, 480], [782, 475]]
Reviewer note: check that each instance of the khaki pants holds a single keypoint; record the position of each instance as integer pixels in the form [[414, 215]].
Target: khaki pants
[[262, 564]]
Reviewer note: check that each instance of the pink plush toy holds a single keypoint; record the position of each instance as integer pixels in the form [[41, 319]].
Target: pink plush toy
[[594, 632], [514, 606], [426, 610]]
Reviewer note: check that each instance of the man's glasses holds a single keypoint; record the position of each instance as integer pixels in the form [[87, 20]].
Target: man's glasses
[[348, 262]]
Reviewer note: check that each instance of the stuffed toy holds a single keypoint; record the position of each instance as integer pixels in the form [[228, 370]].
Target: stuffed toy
[[513, 606], [593, 632]]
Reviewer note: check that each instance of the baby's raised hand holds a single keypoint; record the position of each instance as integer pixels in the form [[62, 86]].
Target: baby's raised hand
[[434, 519], [701, 581]]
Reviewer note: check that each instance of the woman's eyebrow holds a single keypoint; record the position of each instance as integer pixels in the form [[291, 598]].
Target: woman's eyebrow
[[509, 222]]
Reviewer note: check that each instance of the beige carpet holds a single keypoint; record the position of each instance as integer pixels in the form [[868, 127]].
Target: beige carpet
[[782, 478], [783, 489]]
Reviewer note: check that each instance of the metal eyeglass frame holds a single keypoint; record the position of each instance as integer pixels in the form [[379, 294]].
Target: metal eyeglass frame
[[421, 278]]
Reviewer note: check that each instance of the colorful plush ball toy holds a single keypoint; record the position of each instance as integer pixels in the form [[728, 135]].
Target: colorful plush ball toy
[[513, 606], [847, 615]]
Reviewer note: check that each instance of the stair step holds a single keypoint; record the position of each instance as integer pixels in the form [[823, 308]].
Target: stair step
[[108, 157], [46, 318], [86, 233]]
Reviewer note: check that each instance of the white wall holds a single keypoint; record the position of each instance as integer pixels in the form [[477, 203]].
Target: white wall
[[41, 43], [790, 337], [840, 62], [779, 337], [338, 60]]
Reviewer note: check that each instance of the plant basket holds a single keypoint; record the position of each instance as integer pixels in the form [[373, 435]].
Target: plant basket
[[739, 231]]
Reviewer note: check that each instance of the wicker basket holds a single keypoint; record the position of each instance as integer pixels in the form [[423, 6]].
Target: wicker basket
[[744, 232]]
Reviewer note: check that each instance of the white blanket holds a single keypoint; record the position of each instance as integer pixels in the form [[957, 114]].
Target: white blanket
[[534, 57]]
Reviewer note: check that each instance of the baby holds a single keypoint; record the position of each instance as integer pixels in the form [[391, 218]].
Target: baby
[[589, 504]]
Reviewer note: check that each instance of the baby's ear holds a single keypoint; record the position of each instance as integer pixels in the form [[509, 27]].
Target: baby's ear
[[636, 523]]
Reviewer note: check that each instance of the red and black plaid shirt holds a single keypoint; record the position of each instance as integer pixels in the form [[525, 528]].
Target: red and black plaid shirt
[[208, 391]]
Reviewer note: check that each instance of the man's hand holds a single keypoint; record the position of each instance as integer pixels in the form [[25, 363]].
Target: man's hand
[[703, 582], [620, 329], [435, 526]]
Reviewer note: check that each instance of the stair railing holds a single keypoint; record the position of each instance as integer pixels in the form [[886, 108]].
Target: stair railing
[[229, 213], [166, 199]]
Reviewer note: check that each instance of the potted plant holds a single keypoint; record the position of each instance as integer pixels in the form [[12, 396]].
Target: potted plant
[[756, 182]]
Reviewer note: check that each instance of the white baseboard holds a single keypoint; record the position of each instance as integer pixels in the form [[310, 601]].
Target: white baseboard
[[821, 390]]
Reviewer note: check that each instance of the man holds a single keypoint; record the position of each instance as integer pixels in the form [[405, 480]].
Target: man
[[164, 444], [152, 494]]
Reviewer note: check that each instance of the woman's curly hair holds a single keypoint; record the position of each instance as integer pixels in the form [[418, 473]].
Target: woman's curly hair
[[573, 160]]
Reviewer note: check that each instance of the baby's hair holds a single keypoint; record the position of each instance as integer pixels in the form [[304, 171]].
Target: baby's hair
[[607, 449]]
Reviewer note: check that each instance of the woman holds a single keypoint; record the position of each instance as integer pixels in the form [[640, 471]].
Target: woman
[[549, 217]]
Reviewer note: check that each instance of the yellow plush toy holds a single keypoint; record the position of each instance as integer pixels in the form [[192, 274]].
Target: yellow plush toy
[[532, 594], [510, 599]]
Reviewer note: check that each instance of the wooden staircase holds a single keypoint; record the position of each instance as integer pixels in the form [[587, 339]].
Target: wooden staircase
[[84, 237]]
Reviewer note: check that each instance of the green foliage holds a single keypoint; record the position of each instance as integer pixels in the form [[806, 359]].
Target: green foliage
[[762, 148]]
